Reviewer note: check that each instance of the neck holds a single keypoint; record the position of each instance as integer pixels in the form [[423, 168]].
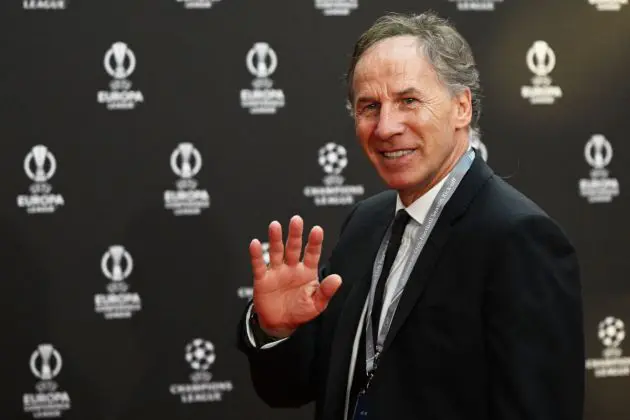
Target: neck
[[412, 194]]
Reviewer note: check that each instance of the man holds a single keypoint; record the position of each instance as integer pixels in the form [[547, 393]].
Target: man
[[452, 296]]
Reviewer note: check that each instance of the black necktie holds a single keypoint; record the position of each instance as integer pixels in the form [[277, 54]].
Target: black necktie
[[401, 220], [360, 375]]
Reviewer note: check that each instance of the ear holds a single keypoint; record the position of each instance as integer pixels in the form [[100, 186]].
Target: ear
[[463, 108]]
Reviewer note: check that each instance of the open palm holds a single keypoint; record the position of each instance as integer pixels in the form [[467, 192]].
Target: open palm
[[287, 293]]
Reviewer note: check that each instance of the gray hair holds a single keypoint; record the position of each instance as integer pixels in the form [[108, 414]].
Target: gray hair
[[444, 47]]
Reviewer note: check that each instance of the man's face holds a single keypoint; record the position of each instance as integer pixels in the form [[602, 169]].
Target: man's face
[[409, 125]]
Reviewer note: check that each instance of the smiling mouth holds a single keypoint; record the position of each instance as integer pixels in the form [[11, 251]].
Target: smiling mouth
[[397, 154]]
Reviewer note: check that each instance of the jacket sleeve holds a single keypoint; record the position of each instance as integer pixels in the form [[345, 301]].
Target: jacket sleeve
[[533, 313], [285, 374]]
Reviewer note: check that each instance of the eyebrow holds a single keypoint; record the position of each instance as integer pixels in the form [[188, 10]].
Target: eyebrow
[[407, 91], [404, 92]]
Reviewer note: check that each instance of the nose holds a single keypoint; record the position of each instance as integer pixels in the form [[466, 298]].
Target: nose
[[390, 123]]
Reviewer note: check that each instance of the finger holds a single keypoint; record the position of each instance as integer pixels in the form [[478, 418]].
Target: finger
[[259, 268], [326, 290], [276, 247], [294, 241], [313, 249]]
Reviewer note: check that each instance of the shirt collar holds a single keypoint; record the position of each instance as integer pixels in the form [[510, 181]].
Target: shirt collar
[[418, 209]]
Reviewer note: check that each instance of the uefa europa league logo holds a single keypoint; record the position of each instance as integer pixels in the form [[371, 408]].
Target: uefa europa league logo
[[117, 55], [118, 256], [260, 52], [45, 364], [598, 153], [186, 163], [541, 60], [119, 62], [258, 66], [40, 165]]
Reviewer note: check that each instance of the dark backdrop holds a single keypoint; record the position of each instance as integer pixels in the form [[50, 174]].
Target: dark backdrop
[[141, 151]]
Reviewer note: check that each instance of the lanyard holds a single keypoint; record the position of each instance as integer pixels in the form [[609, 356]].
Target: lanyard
[[420, 239]]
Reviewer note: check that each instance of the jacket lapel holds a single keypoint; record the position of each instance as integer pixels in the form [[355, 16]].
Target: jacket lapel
[[476, 176]]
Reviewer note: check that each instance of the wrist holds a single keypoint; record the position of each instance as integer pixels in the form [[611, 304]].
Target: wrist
[[268, 334]]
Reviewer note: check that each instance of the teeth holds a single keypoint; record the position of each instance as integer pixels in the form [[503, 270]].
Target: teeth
[[397, 154]]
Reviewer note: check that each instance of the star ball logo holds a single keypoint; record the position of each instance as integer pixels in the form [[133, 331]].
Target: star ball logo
[[197, 4], [333, 159], [262, 62], [187, 199], [49, 401], [44, 4], [336, 7], [200, 355], [600, 187], [120, 63], [611, 332], [541, 60], [608, 5], [476, 5], [40, 165], [118, 303]]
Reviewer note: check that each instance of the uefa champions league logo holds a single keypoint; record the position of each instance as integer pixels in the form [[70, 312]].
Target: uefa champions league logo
[[333, 160], [611, 332], [200, 354]]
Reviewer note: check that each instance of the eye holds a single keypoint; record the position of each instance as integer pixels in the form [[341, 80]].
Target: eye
[[410, 101], [369, 108]]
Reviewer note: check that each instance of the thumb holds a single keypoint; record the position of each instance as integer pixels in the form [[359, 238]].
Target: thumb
[[327, 288]]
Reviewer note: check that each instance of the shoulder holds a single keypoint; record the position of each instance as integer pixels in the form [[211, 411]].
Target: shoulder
[[507, 214]]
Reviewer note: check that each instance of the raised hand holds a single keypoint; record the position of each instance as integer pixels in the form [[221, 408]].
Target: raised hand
[[288, 294]]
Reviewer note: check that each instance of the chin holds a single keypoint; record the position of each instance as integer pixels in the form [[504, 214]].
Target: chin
[[399, 182]]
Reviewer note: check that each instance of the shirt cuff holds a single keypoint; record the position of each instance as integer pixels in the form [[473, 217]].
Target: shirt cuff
[[250, 335]]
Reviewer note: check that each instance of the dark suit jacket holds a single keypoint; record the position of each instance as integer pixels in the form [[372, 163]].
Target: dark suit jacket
[[489, 326]]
